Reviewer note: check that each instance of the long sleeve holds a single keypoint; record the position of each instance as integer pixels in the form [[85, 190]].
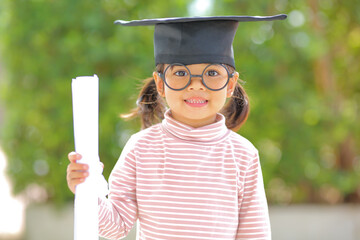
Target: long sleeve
[[253, 210], [118, 213]]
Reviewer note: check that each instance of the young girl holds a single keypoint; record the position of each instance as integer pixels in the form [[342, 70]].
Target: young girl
[[191, 176]]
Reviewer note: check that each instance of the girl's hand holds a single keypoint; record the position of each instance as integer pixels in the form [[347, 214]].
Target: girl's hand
[[76, 172]]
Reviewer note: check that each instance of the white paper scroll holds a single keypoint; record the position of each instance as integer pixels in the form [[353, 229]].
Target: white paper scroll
[[85, 94]]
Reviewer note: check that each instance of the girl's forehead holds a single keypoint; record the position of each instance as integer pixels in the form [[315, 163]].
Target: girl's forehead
[[192, 67]]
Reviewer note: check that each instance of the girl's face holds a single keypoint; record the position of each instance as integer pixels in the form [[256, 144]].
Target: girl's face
[[195, 105]]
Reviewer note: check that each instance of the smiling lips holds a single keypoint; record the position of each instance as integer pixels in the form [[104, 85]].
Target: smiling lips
[[196, 102]]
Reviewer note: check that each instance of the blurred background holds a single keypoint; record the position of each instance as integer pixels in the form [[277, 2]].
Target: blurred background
[[302, 76]]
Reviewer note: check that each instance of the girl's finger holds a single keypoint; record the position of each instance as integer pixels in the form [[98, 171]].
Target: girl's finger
[[76, 175], [77, 167], [74, 156]]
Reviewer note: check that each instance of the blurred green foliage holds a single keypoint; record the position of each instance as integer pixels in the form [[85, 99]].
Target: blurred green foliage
[[302, 76]]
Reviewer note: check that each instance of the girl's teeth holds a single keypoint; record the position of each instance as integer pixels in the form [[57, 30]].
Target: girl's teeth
[[195, 101]]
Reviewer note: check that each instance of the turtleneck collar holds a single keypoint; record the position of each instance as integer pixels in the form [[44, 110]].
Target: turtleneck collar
[[209, 133]]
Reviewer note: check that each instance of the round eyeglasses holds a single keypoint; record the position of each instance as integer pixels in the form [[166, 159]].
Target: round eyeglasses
[[214, 77]]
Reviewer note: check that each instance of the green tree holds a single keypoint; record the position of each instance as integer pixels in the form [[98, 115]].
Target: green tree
[[44, 44], [303, 80]]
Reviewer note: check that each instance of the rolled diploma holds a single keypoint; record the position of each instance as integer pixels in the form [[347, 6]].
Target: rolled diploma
[[85, 95]]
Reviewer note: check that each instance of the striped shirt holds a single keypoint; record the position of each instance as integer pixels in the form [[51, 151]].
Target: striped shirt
[[186, 183]]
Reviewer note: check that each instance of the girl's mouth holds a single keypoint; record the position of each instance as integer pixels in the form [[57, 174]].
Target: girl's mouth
[[196, 102]]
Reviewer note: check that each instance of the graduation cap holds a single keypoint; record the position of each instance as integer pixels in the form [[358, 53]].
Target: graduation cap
[[192, 40]]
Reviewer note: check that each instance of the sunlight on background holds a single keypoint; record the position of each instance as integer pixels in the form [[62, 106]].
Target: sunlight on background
[[200, 7], [11, 209]]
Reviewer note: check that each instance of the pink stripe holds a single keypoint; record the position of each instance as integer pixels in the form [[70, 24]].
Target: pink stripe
[[186, 183]]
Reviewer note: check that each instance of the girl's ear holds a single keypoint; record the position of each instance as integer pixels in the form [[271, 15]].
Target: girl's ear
[[231, 85], [159, 84]]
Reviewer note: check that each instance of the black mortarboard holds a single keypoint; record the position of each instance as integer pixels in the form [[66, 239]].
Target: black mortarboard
[[192, 40]]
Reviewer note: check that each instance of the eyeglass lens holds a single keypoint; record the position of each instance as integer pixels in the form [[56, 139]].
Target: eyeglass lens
[[214, 76]]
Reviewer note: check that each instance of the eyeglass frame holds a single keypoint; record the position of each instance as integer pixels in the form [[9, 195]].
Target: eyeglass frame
[[162, 75]]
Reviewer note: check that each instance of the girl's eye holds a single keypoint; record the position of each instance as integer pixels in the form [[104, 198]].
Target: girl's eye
[[181, 73], [212, 73]]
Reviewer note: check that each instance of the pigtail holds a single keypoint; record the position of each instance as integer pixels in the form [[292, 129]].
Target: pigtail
[[150, 105], [237, 109]]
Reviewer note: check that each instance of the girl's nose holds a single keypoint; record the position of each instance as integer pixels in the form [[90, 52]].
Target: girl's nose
[[196, 83]]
